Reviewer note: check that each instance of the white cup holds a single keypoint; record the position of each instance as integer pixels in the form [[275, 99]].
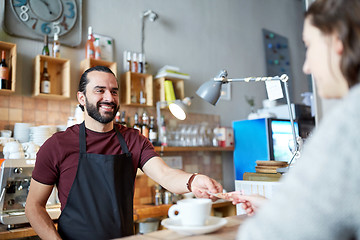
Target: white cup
[[30, 147], [191, 212], [6, 133]]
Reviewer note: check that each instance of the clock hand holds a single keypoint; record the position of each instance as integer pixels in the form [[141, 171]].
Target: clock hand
[[47, 5]]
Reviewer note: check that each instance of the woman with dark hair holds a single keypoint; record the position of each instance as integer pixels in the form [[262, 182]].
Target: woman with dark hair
[[319, 198]]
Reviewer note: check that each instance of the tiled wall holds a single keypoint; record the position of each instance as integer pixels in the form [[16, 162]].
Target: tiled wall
[[33, 110], [56, 112]]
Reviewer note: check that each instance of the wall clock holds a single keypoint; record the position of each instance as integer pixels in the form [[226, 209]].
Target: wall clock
[[35, 18]]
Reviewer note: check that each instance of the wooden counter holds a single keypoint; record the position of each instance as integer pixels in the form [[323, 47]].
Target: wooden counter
[[140, 212], [229, 231]]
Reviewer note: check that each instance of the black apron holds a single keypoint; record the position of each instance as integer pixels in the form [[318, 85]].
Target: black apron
[[100, 201]]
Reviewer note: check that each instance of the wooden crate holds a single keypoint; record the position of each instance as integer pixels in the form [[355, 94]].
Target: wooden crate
[[10, 49], [159, 88], [89, 62], [59, 72], [130, 79]]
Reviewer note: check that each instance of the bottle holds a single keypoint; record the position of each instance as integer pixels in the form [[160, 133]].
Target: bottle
[[158, 195], [152, 131], [122, 119], [45, 50], [97, 49], [134, 66], [4, 72], [142, 97], [45, 80], [141, 63], [117, 117], [163, 138], [144, 64], [128, 62], [145, 125], [89, 46], [133, 93], [136, 122], [56, 46]]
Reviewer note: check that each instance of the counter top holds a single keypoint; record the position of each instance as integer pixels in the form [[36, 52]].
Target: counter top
[[140, 212], [229, 231]]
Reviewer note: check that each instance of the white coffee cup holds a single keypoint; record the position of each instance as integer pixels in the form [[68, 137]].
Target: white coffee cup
[[191, 212], [30, 147]]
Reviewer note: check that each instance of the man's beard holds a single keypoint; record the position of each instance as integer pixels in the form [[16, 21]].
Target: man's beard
[[94, 112]]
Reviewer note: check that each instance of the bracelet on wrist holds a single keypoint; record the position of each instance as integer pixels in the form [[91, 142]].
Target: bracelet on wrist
[[188, 184]]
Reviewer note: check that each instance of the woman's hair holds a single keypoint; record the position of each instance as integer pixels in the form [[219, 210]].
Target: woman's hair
[[84, 80], [343, 18]]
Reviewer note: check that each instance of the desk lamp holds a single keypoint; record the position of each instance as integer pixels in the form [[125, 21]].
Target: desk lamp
[[178, 109], [210, 92]]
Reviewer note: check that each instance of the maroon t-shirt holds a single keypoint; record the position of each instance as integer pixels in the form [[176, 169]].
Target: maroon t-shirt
[[57, 159]]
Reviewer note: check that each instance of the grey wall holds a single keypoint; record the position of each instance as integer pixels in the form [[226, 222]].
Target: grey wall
[[201, 37]]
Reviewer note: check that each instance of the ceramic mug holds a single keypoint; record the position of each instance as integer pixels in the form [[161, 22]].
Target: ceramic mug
[[6, 133], [30, 147], [191, 212]]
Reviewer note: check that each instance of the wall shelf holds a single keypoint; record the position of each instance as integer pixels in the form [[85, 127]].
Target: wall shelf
[[90, 62], [10, 49], [59, 71], [131, 85], [192, 149]]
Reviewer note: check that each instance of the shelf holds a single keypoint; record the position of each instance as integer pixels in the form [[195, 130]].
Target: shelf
[[10, 49], [192, 149], [59, 72], [131, 85], [90, 62], [159, 88]]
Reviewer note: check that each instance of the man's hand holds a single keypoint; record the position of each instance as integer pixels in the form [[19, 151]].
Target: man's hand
[[202, 184]]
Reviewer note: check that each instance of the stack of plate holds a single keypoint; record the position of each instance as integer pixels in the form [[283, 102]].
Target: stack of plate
[[269, 166], [40, 134], [22, 132]]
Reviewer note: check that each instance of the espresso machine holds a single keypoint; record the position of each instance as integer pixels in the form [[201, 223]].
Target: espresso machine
[[15, 183]]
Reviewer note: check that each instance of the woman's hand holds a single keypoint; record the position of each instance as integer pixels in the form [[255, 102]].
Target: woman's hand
[[250, 203]]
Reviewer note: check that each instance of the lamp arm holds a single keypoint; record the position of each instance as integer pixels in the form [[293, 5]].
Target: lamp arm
[[142, 34], [159, 104], [158, 120], [284, 78], [296, 145]]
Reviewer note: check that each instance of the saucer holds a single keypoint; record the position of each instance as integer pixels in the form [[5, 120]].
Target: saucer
[[213, 224]]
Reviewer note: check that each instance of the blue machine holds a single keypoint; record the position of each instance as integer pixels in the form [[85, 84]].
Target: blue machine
[[261, 139]]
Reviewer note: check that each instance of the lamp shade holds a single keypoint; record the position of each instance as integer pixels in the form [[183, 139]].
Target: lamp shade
[[177, 110], [210, 91]]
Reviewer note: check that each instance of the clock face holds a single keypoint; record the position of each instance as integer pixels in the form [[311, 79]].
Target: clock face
[[46, 17]]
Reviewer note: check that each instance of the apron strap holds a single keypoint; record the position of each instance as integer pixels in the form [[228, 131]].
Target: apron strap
[[82, 138], [122, 141]]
